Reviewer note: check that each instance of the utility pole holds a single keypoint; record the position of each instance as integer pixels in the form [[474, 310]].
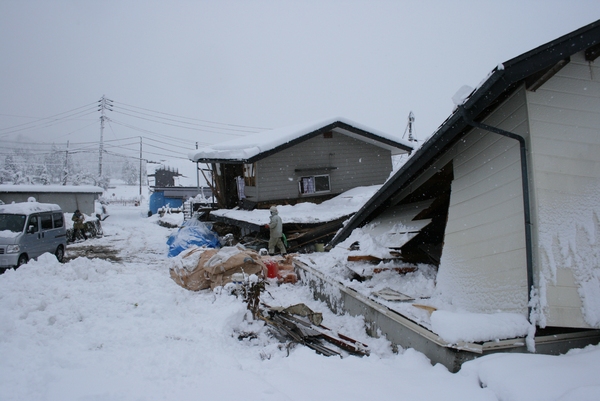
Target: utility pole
[[198, 174], [66, 171], [103, 104], [140, 168]]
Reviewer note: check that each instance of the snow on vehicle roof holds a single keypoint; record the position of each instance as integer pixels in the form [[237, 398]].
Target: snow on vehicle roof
[[28, 207], [51, 188], [252, 145]]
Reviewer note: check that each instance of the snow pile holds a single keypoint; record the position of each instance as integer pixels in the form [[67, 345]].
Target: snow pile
[[455, 327], [123, 330], [9, 234], [172, 219], [519, 377]]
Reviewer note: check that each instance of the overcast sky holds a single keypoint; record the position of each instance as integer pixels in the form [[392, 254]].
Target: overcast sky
[[256, 64]]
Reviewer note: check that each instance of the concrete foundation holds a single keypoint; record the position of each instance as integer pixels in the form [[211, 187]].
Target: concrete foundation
[[405, 333]]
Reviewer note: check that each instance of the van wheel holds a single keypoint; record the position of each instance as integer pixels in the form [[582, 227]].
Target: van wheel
[[60, 253], [22, 260]]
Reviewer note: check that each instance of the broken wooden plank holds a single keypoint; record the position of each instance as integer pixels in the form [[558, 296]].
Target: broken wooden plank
[[400, 270], [428, 308], [364, 258], [301, 330], [390, 294]]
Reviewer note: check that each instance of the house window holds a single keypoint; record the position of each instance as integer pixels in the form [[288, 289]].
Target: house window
[[328, 135], [315, 184], [250, 174]]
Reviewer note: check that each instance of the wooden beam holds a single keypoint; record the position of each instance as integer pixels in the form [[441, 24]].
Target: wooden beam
[[539, 80], [592, 53]]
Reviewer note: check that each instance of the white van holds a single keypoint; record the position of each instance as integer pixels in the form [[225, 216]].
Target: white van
[[29, 229]]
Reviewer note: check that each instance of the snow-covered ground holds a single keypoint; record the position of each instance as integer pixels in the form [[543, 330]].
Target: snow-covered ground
[[93, 329]]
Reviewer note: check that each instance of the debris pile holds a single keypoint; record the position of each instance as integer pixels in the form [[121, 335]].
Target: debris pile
[[200, 268], [298, 323], [209, 268]]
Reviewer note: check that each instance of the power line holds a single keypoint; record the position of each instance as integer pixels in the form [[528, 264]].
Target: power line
[[41, 123], [185, 122], [151, 132], [196, 119], [43, 118], [181, 126]]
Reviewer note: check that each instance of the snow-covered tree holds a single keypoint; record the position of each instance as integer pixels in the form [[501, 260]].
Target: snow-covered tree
[[130, 172], [54, 163]]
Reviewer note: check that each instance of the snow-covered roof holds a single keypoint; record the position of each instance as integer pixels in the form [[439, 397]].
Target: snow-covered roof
[[52, 188], [250, 147], [28, 207]]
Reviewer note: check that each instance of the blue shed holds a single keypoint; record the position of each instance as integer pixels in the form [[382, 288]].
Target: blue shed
[[173, 196]]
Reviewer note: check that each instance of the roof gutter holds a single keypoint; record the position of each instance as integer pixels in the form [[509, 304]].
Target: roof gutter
[[526, 205]]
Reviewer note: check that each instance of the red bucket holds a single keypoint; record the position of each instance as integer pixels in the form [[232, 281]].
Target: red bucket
[[272, 269]]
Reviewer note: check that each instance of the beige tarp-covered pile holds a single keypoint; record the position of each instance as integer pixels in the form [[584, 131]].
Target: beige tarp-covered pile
[[215, 267]]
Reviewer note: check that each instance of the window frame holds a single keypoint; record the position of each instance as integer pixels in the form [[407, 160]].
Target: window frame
[[314, 178], [250, 174]]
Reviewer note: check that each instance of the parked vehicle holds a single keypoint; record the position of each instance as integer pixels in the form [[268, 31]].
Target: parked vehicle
[[29, 229]]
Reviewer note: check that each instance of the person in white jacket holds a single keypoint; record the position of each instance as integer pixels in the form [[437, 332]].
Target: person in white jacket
[[276, 231]]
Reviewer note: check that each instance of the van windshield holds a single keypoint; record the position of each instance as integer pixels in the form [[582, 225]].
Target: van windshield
[[12, 222]]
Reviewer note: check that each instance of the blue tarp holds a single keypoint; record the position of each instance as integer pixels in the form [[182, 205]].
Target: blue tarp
[[192, 233]]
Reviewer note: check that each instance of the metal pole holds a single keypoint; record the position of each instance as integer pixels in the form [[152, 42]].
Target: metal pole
[[197, 173], [140, 168], [101, 149], [66, 171], [104, 104]]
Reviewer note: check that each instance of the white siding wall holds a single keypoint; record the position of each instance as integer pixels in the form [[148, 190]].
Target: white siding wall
[[565, 136], [483, 265], [358, 164]]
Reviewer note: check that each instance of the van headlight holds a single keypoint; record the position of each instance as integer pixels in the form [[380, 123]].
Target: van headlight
[[12, 249]]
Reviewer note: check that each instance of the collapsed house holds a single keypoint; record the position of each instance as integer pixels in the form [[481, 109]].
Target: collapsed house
[[311, 162], [504, 199]]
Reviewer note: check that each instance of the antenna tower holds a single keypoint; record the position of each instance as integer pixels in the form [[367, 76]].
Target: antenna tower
[[409, 127]]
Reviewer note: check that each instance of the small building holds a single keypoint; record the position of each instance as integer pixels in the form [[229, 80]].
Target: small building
[[174, 197], [171, 188], [505, 196], [308, 162], [68, 197]]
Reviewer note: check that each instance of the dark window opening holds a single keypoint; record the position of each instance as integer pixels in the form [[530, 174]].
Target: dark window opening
[[426, 247]]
